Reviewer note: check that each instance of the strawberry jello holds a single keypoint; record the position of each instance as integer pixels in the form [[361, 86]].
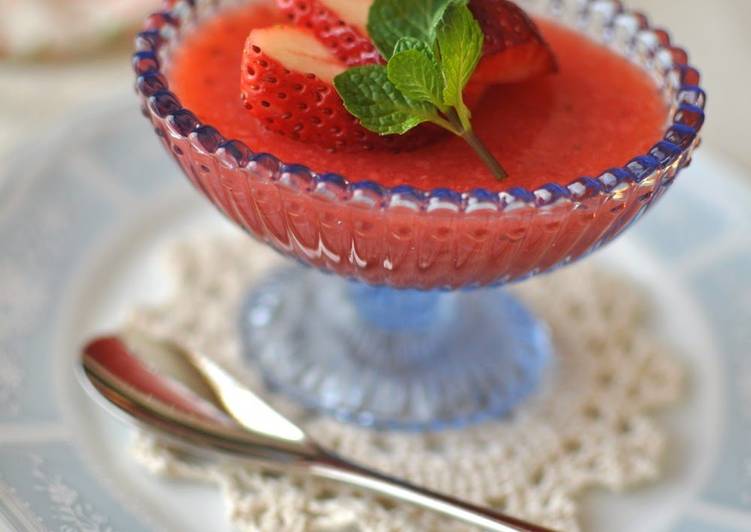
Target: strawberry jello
[[625, 115]]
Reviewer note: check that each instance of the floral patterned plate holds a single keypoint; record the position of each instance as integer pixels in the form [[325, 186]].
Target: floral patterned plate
[[85, 214]]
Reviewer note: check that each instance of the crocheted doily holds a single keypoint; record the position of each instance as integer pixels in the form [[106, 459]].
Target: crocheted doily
[[588, 426]]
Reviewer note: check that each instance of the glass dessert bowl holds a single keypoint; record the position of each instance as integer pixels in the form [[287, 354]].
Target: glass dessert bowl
[[396, 339]]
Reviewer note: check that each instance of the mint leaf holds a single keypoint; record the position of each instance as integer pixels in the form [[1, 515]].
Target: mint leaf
[[417, 76], [410, 43], [460, 40], [432, 48], [391, 20], [370, 96]]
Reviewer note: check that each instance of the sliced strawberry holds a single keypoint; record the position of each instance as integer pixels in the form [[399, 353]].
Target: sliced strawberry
[[339, 24], [514, 50], [286, 83]]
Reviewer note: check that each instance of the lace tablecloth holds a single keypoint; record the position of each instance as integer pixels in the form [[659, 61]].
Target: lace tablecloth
[[588, 426]]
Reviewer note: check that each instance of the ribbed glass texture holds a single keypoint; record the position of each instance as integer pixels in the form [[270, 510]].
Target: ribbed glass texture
[[410, 238]]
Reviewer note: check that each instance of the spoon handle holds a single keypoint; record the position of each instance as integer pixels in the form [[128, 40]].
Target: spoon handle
[[335, 468]]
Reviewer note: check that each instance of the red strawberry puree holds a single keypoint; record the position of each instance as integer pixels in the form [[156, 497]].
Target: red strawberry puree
[[599, 111]]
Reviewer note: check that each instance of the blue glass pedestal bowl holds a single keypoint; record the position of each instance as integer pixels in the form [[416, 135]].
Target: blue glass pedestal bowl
[[402, 337]]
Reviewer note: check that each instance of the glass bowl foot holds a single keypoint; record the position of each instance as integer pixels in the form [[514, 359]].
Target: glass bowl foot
[[393, 359]]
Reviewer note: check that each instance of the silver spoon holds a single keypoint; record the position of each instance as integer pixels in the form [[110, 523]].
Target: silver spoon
[[205, 408]]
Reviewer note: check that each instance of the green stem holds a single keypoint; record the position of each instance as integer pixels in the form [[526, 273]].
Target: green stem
[[482, 151], [476, 144], [445, 124]]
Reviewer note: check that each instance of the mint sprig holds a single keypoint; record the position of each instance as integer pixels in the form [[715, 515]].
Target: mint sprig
[[416, 75], [378, 104], [459, 39], [391, 20], [432, 50]]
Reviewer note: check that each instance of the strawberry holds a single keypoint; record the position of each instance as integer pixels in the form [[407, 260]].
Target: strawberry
[[287, 84], [339, 24], [288, 71], [514, 50]]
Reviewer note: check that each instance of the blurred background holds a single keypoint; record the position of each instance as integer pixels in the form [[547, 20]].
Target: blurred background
[[57, 55]]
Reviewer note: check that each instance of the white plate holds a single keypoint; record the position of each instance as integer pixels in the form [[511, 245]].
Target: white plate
[[85, 215]]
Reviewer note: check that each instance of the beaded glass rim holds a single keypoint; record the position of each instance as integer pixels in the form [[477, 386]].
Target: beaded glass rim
[[627, 32]]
